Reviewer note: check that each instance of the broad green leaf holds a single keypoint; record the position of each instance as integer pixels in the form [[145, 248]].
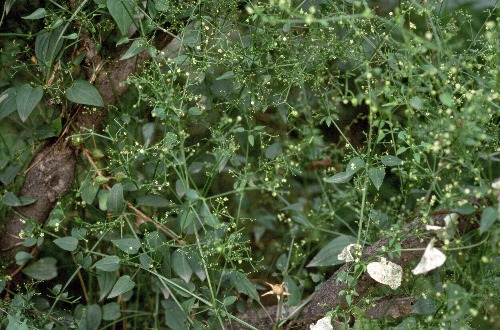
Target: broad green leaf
[[153, 201], [108, 264], [488, 218], [111, 311], [251, 139], [446, 99], [43, 269], [93, 316], [244, 285], [48, 47], [121, 286], [39, 13], [67, 243], [135, 48], [84, 92], [127, 245], [7, 102], [181, 265], [15, 322], [273, 151], [195, 111], [192, 195], [377, 175], [122, 12], [416, 103], [340, 177], [226, 75], [391, 160], [27, 98], [425, 306], [175, 317], [328, 256], [354, 165], [23, 257], [116, 201], [229, 300], [106, 280], [89, 190], [11, 200], [182, 288], [10, 174]]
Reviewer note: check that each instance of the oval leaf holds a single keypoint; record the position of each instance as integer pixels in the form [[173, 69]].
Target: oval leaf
[[377, 176], [67, 243], [137, 46], [340, 177], [121, 11], [108, 264], [43, 269], [39, 13], [116, 202], [27, 98], [84, 92], [127, 245], [391, 160], [488, 218], [181, 266], [354, 165], [7, 102], [23, 257], [121, 286]]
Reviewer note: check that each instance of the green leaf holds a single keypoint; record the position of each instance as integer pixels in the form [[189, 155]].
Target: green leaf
[[84, 92], [192, 195], [127, 245], [27, 98], [43, 269], [67, 243], [391, 160], [416, 103], [89, 190], [106, 280], [23, 257], [153, 201], [116, 201], [11, 200], [226, 75], [354, 165], [328, 256], [273, 151], [39, 13], [340, 177], [488, 218], [446, 99], [111, 311], [108, 264], [251, 139], [93, 316], [10, 174], [377, 175], [229, 300], [175, 317], [48, 47], [135, 48], [244, 285], [121, 286], [162, 5], [7, 102], [122, 12], [181, 265]]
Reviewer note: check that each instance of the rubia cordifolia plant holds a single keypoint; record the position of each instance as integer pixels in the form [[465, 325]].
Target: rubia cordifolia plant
[[164, 161]]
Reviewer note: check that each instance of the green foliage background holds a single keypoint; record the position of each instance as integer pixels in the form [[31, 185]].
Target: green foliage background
[[263, 140]]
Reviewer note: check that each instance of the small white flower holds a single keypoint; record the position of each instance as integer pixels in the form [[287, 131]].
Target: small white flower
[[386, 272], [346, 252], [322, 324], [432, 258]]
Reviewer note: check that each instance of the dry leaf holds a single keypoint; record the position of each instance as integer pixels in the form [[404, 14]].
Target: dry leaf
[[432, 258], [386, 272], [346, 252]]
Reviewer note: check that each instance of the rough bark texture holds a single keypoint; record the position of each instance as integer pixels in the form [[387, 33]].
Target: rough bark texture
[[50, 175], [328, 297], [52, 171]]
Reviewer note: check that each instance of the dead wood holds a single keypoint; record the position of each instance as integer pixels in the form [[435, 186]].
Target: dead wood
[[328, 297]]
